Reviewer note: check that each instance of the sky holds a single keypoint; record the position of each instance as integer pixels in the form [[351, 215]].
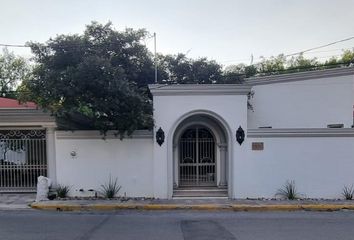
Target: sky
[[228, 31]]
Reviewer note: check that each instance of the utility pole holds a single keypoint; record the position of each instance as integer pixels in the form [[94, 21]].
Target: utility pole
[[155, 58]]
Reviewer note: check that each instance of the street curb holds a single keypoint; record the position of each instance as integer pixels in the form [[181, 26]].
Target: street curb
[[300, 207], [202, 207], [105, 207]]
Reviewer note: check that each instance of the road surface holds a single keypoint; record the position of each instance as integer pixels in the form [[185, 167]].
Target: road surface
[[170, 225]]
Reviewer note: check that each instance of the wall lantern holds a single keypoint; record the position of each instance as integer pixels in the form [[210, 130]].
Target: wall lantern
[[73, 154], [240, 135], [160, 136]]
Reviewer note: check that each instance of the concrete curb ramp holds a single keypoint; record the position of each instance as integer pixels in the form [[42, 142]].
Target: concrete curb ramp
[[205, 207]]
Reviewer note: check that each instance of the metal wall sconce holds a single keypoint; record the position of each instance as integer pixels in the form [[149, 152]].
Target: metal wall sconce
[[240, 135], [160, 136], [73, 154]]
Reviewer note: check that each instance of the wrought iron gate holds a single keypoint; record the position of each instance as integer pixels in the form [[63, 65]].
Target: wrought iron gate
[[22, 159], [197, 158]]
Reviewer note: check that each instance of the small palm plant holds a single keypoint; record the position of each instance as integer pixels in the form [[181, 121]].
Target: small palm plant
[[348, 192], [288, 191], [111, 188], [63, 190]]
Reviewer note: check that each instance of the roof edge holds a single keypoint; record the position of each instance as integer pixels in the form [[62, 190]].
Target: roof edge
[[300, 76], [198, 89], [26, 117]]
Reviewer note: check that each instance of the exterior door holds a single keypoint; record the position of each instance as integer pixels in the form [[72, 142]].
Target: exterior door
[[197, 163]]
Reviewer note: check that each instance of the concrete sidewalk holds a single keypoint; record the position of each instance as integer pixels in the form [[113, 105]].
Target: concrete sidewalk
[[13, 201], [195, 204]]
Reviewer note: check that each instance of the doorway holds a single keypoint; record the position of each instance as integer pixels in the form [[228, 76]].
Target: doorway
[[197, 157]]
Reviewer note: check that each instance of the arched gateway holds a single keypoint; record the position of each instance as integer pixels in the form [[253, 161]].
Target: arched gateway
[[200, 157], [195, 149]]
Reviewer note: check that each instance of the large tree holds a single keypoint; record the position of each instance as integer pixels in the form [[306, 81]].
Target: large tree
[[13, 69], [237, 73], [98, 78], [179, 69]]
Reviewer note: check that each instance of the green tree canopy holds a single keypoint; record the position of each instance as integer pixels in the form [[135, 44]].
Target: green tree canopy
[[282, 64], [301, 62], [99, 76], [178, 69], [13, 70], [237, 73], [273, 64], [347, 57], [99, 79]]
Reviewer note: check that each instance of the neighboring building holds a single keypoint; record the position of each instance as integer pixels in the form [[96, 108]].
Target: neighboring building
[[27, 145], [7, 103], [207, 141]]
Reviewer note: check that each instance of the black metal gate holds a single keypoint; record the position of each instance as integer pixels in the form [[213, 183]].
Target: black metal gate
[[23, 159], [197, 165]]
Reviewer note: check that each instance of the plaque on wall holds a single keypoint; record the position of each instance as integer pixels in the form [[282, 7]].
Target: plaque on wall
[[257, 146]]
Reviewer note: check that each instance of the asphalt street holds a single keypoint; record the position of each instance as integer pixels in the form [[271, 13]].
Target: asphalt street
[[188, 225]]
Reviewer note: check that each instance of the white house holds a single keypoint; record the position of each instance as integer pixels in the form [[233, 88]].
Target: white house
[[207, 141]]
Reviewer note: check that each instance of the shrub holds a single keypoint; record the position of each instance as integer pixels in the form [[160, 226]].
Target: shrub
[[62, 190], [111, 188], [348, 192], [288, 191]]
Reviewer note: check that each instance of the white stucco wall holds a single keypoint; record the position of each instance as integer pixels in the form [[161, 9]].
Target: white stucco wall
[[303, 104], [320, 166], [169, 110], [129, 160]]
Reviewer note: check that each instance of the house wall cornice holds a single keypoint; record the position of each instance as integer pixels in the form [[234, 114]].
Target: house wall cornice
[[198, 89], [26, 117], [300, 132], [300, 76]]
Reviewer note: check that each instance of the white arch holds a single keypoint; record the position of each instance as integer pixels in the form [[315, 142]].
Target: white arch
[[209, 113], [185, 125], [170, 141]]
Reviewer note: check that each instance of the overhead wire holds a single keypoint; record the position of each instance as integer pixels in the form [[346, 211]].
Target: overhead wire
[[148, 38], [303, 51], [321, 46]]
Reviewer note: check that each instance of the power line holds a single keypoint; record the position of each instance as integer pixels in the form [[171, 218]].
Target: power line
[[304, 51], [331, 50], [13, 45], [324, 51], [64, 44], [151, 36], [308, 50], [322, 46], [148, 37]]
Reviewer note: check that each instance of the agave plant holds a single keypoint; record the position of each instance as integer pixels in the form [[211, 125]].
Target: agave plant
[[348, 192], [111, 188], [288, 191], [62, 190]]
